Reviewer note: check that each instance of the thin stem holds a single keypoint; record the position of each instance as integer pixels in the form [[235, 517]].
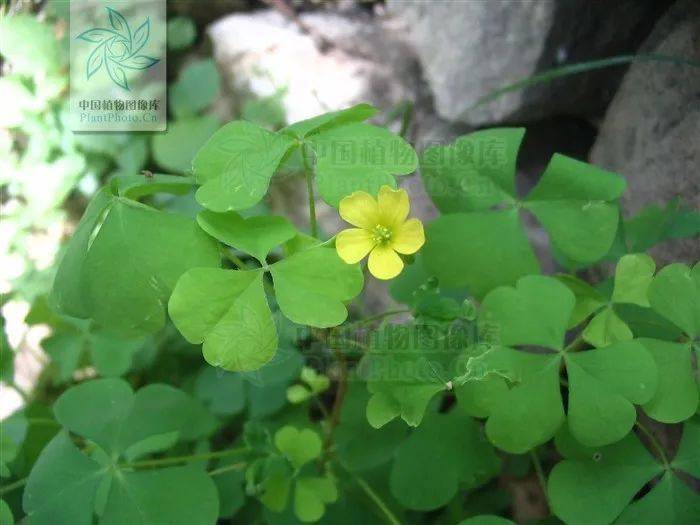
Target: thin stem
[[234, 259], [655, 443], [339, 399], [540, 473], [310, 190], [406, 118], [390, 517], [227, 468], [186, 459], [12, 486], [576, 344], [43, 421]]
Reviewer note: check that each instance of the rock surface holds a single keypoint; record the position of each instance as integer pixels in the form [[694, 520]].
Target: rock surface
[[344, 60], [468, 49], [651, 132]]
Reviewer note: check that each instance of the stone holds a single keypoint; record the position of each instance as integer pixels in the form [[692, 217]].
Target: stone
[[340, 61], [651, 132], [468, 49]]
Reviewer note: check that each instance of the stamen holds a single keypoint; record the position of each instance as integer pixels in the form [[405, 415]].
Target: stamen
[[381, 234]]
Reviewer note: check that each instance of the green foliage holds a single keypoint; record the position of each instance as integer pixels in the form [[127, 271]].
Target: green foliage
[[181, 33]]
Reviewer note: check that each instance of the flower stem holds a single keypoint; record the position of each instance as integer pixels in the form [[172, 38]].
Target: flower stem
[[390, 517], [12, 486], [310, 190], [377, 317], [540, 473], [186, 459], [655, 444], [227, 468]]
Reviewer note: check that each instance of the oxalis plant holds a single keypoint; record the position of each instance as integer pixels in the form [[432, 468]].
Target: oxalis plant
[[490, 369]]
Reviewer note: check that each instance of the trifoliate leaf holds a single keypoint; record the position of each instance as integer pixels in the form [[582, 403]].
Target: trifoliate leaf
[[298, 446], [236, 164], [426, 477], [595, 485], [403, 374], [135, 250], [107, 412], [675, 294], [604, 386], [62, 485], [311, 495], [359, 157], [175, 149], [311, 286], [575, 203], [227, 311], [254, 235], [676, 397]]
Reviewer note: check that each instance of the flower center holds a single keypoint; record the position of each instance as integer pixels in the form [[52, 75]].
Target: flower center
[[381, 234]]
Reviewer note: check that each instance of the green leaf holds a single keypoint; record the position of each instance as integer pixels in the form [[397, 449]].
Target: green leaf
[[311, 495], [359, 157], [7, 356], [304, 128], [312, 285], [62, 485], [175, 150], [573, 202], [588, 299], [196, 88], [687, 458], [254, 235], [403, 375], [13, 434], [298, 446], [44, 54], [593, 486], [675, 294], [606, 328], [236, 164], [6, 517], [223, 392], [654, 225], [486, 520], [182, 32], [461, 250], [604, 386], [535, 312], [227, 311], [676, 398], [669, 501], [138, 253], [633, 275], [474, 173], [176, 496], [446, 453], [138, 186], [359, 445]]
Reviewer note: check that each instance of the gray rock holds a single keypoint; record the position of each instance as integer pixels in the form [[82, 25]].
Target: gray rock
[[469, 48], [340, 61], [651, 132]]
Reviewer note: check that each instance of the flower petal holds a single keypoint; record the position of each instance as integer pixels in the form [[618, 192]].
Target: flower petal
[[393, 206], [384, 263], [409, 237], [353, 245], [359, 209]]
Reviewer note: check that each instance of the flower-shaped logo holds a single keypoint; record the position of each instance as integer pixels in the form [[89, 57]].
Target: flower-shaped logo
[[118, 48]]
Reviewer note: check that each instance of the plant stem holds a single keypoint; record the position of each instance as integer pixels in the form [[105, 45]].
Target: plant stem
[[575, 344], [234, 259], [12, 486], [390, 517], [406, 118], [339, 399], [310, 190], [655, 443], [227, 468], [540, 473], [186, 459]]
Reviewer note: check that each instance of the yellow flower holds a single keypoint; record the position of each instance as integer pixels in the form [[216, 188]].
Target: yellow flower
[[382, 231]]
